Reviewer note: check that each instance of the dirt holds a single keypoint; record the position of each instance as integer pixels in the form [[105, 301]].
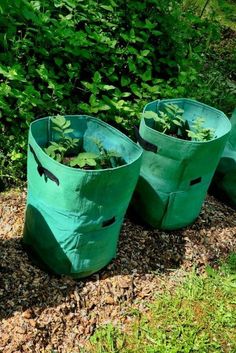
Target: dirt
[[41, 312]]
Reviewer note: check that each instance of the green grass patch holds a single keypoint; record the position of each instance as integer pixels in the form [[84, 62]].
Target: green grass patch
[[222, 10], [199, 316], [227, 13]]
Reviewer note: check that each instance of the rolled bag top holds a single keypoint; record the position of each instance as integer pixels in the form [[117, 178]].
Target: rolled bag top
[[82, 185], [189, 154]]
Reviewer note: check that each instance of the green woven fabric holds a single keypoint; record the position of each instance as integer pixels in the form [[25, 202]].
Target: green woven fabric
[[174, 181], [74, 216], [224, 181]]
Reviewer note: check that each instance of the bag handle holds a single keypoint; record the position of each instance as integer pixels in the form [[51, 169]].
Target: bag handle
[[147, 146], [42, 170]]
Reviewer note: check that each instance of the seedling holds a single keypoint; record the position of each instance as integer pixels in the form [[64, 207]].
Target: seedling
[[68, 151], [171, 122], [65, 144], [199, 133], [107, 159]]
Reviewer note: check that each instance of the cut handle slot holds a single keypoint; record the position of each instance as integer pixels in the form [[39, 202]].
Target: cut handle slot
[[195, 181], [43, 171], [108, 222], [148, 146]]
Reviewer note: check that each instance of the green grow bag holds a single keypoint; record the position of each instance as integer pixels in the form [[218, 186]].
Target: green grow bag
[[224, 182], [175, 173], [74, 216]]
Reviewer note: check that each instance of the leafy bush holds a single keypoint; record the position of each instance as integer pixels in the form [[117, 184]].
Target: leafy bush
[[215, 82], [107, 60]]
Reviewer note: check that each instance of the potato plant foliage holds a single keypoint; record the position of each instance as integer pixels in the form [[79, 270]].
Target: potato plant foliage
[[170, 121], [69, 151]]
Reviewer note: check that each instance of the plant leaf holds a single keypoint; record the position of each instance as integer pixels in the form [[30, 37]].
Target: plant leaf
[[59, 120], [67, 131], [67, 124], [84, 158], [57, 129], [150, 115]]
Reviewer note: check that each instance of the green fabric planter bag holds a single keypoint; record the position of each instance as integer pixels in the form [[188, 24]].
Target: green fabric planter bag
[[74, 216], [175, 173], [224, 182]]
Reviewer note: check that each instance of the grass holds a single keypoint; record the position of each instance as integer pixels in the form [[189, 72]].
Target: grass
[[199, 316], [227, 13], [222, 10]]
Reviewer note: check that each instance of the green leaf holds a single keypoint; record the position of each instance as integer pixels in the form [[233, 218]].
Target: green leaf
[[97, 77], [149, 115], [50, 151], [58, 61], [125, 81], [118, 119], [68, 131], [108, 87], [147, 76], [107, 7], [57, 129], [84, 158], [145, 52], [177, 122], [29, 14], [52, 148], [16, 155], [67, 124], [136, 90], [103, 107], [59, 120], [56, 156], [126, 94], [53, 143], [132, 66]]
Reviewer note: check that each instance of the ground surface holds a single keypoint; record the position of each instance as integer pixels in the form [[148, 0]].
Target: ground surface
[[42, 313]]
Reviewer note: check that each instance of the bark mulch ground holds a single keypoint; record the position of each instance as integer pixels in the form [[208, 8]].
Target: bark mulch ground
[[40, 312]]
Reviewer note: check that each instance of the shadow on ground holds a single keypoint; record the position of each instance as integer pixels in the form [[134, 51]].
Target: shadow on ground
[[141, 252]]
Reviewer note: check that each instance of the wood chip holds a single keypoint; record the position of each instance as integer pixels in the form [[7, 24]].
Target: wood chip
[[41, 312]]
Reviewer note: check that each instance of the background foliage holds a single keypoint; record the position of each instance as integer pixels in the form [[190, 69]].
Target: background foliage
[[104, 58]]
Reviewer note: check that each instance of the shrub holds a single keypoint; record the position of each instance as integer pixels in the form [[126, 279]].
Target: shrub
[[68, 56]]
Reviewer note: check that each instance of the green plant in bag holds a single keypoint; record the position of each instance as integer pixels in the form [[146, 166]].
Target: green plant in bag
[[84, 159], [68, 150], [107, 159], [199, 133], [59, 149], [178, 125], [170, 121]]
